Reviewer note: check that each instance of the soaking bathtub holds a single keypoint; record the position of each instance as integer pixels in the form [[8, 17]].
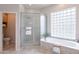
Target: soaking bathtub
[[65, 45]]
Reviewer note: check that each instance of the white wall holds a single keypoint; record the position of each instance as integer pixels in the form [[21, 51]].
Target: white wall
[[32, 11], [59, 7], [7, 7], [0, 32], [77, 24]]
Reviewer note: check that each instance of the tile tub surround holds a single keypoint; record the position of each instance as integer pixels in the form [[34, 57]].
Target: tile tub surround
[[66, 47]]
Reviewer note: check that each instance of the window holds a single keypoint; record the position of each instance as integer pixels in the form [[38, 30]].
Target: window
[[42, 24], [63, 24]]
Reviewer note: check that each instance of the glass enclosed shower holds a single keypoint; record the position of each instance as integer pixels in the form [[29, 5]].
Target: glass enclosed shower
[[29, 29]]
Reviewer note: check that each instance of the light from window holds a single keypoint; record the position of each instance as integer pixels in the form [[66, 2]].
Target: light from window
[[42, 24], [63, 24]]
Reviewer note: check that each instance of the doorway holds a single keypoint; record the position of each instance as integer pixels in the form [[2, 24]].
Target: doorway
[[9, 26]]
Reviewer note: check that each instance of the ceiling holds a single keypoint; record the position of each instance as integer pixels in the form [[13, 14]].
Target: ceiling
[[36, 6]]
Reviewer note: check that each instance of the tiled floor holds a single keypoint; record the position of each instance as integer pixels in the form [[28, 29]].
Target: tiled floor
[[28, 50]]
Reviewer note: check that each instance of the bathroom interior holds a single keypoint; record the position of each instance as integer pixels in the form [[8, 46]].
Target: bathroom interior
[[8, 21], [40, 28]]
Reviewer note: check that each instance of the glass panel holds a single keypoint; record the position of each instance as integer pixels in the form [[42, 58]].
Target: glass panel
[[64, 24], [30, 29]]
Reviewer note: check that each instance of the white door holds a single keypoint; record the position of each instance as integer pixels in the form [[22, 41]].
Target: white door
[[1, 36]]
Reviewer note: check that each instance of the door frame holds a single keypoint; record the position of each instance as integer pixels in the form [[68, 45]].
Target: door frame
[[15, 28]]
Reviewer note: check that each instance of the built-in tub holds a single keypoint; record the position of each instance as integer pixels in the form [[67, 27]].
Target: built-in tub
[[61, 44]]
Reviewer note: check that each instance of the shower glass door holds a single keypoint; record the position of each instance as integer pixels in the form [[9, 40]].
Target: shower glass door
[[30, 33]]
